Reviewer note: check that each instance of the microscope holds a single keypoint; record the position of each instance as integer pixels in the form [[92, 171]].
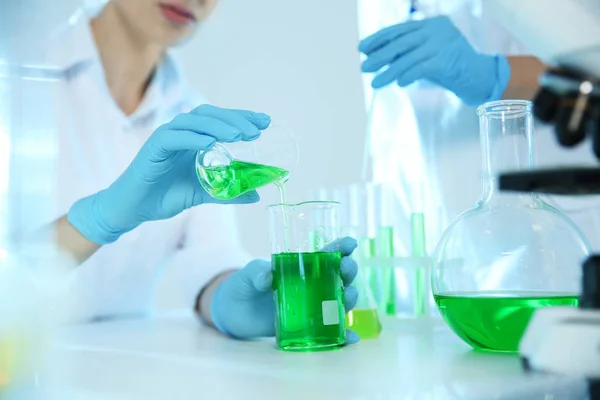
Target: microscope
[[566, 340], [566, 35]]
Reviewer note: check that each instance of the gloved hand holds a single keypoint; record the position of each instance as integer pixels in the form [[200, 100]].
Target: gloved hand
[[435, 50], [242, 305], [161, 181]]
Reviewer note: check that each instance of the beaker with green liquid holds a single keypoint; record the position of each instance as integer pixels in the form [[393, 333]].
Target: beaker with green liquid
[[511, 253], [307, 284], [229, 171]]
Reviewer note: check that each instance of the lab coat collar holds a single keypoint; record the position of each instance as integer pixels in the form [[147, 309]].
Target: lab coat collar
[[73, 43], [165, 90], [74, 49]]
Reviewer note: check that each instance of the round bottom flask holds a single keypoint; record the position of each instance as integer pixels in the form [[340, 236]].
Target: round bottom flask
[[511, 253]]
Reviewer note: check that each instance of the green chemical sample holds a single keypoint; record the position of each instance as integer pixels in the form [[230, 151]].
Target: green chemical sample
[[226, 182], [496, 321], [365, 322], [385, 239], [364, 318], [308, 295], [371, 273], [280, 184], [417, 228]]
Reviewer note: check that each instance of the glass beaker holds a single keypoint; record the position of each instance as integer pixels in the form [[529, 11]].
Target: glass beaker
[[307, 283], [229, 171], [511, 253]]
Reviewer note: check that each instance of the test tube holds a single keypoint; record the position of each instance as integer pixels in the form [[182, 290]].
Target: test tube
[[417, 226], [419, 250], [308, 289], [371, 274], [382, 216], [385, 242]]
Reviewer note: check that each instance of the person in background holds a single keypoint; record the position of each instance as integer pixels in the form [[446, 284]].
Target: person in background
[[434, 49], [462, 56], [130, 202]]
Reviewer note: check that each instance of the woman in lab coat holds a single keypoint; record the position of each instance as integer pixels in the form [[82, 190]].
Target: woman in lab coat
[[460, 60], [125, 99]]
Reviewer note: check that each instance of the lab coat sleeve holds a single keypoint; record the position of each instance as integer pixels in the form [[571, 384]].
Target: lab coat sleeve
[[210, 245]]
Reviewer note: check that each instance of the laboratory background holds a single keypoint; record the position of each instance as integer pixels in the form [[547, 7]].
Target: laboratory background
[[308, 78], [429, 211]]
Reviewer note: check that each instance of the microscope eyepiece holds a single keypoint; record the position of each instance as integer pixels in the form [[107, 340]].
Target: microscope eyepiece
[[545, 105]]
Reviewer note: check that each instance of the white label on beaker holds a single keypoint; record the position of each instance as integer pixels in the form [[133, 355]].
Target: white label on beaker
[[331, 312]]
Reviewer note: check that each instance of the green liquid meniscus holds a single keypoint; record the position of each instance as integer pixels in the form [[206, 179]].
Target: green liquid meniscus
[[496, 321], [308, 295], [365, 322], [226, 182]]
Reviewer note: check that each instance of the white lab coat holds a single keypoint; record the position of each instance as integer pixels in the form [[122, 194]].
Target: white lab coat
[[97, 142], [437, 139]]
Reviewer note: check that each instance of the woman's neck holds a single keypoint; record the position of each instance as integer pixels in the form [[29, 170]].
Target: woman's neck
[[128, 59]]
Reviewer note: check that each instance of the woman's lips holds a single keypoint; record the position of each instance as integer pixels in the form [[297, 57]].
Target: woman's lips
[[177, 14]]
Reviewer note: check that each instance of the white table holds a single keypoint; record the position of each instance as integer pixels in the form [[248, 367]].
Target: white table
[[175, 357]]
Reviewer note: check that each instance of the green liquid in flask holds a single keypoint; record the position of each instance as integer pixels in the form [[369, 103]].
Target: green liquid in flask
[[365, 322], [230, 181], [496, 321], [309, 304]]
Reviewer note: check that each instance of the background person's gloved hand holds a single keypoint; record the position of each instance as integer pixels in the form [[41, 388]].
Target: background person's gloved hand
[[161, 181], [435, 50], [243, 306]]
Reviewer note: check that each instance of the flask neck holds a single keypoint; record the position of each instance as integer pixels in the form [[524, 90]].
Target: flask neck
[[493, 197], [506, 133]]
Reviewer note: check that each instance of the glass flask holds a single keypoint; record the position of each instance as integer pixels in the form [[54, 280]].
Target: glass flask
[[307, 285], [229, 171], [364, 317], [509, 254]]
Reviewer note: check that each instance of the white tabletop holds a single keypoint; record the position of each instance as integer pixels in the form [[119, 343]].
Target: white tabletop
[[175, 357]]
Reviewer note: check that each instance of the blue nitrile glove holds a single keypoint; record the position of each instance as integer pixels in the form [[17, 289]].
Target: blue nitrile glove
[[161, 180], [243, 307], [435, 50]]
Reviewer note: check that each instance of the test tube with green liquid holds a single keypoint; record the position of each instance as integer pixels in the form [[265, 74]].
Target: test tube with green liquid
[[371, 273], [417, 225], [385, 239]]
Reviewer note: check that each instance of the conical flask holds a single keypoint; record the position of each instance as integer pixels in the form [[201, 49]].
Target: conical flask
[[227, 171], [511, 253], [364, 318]]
